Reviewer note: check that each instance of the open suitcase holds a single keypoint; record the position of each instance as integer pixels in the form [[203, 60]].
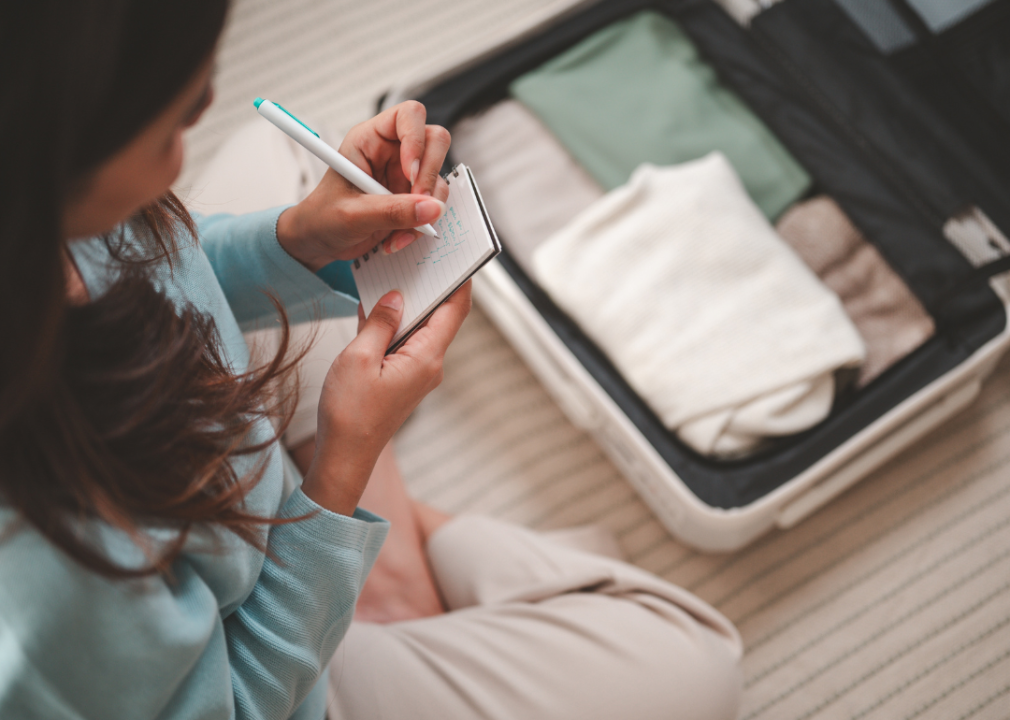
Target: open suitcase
[[904, 119]]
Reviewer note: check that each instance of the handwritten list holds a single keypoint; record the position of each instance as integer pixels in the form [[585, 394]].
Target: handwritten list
[[430, 269]]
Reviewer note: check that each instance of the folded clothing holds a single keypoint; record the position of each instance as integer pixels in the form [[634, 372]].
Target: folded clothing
[[889, 318], [636, 92], [529, 182], [708, 314], [505, 141]]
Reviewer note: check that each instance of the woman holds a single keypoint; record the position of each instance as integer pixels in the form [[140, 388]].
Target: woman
[[161, 555]]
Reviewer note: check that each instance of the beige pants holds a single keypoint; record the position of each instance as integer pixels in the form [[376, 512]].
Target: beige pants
[[539, 627], [540, 631]]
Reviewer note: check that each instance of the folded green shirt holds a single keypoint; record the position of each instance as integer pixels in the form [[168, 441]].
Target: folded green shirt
[[637, 91]]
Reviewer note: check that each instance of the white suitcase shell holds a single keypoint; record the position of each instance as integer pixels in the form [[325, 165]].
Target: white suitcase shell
[[707, 528]]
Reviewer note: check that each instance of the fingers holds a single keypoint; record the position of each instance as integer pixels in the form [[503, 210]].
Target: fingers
[[441, 189], [399, 240], [442, 326], [367, 214], [377, 331], [412, 134], [422, 147], [436, 147], [401, 131], [456, 308], [375, 145]]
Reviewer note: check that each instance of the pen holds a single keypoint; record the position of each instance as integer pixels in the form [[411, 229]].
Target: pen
[[310, 140]]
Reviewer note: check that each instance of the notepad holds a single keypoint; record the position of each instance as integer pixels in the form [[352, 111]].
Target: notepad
[[430, 270]]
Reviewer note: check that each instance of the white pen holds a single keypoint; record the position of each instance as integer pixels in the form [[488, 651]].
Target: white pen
[[310, 140]]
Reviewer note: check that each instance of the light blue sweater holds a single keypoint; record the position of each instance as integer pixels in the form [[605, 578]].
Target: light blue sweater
[[235, 634]]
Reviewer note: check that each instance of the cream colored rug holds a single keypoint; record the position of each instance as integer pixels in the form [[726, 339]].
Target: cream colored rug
[[893, 602]]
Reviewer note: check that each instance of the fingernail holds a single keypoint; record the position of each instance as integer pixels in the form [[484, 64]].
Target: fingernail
[[414, 168], [397, 243], [392, 300], [429, 211]]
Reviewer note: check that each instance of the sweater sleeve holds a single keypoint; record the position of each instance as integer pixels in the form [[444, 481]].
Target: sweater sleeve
[[281, 638], [76, 645], [249, 263]]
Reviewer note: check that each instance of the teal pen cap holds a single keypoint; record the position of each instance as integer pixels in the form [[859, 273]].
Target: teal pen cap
[[259, 101]]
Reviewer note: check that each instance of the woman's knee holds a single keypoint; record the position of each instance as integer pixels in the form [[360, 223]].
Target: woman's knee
[[676, 665], [716, 678]]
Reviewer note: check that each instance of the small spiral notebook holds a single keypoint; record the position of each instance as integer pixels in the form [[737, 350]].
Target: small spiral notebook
[[430, 270]]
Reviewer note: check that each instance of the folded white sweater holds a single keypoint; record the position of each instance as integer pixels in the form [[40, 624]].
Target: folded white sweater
[[709, 315]]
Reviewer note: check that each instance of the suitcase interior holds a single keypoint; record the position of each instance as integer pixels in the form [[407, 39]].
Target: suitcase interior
[[893, 158]]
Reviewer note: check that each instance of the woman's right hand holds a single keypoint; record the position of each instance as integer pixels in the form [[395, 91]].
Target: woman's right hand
[[367, 395]]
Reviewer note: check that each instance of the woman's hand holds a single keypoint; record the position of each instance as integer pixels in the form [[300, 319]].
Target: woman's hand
[[367, 395], [339, 222]]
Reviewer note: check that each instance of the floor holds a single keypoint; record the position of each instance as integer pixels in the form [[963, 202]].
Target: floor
[[893, 602]]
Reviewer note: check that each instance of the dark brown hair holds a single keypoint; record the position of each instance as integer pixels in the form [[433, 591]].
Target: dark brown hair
[[122, 409]]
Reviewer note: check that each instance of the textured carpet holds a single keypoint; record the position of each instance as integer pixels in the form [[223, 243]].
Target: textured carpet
[[893, 602]]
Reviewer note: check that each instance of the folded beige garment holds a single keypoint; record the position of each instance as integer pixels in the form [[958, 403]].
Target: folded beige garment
[[529, 182], [725, 333], [889, 318]]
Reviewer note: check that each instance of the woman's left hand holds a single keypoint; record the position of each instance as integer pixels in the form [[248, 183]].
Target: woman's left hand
[[339, 222]]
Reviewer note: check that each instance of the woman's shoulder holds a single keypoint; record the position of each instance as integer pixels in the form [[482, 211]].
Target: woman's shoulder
[[50, 599], [38, 577], [46, 598], [216, 572], [70, 635]]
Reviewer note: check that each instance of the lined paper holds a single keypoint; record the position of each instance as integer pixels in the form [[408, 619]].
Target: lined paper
[[430, 269]]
